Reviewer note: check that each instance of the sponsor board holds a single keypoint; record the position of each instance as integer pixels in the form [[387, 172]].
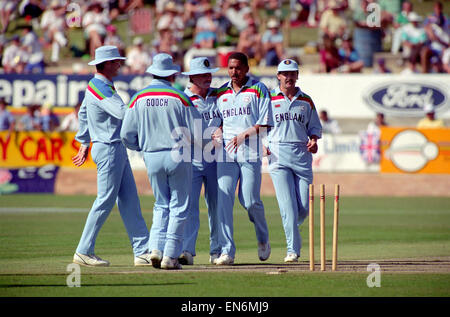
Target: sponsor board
[[407, 98], [408, 150], [344, 96], [36, 148]]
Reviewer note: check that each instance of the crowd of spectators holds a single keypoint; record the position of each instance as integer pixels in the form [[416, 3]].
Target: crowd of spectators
[[349, 32], [38, 118]]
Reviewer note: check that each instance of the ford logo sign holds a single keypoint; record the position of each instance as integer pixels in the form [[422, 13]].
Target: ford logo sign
[[406, 98]]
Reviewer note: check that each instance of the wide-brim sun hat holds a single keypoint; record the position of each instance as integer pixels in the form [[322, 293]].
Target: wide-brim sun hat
[[106, 53], [163, 66], [200, 65], [287, 65]]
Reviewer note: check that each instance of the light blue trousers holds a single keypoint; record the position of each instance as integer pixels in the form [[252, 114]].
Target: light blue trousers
[[171, 183], [291, 174], [115, 182], [249, 176], [207, 175]]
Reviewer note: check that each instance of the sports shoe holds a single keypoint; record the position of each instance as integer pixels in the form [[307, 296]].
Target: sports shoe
[[224, 259], [156, 257], [291, 257], [89, 260], [186, 258], [263, 251], [169, 263], [142, 260], [213, 258]]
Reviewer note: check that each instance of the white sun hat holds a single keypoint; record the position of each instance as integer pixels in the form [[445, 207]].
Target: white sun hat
[[106, 53], [200, 65], [163, 66]]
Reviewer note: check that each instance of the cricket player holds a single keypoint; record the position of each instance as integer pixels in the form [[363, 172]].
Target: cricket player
[[100, 119], [244, 104], [292, 141], [204, 167], [160, 122]]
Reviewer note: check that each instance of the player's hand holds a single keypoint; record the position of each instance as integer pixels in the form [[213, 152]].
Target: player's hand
[[81, 156], [234, 143], [217, 137], [312, 146]]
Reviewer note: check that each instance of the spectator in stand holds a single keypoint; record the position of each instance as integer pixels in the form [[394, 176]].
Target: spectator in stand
[[329, 125], [7, 120], [224, 32], [70, 122], [332, 21], [349, 58], [167, 43], [31, 43], [272, 9], [48, 120], [367, 35], [138, 59], [238, 13], [7, 8], [410, 67], [272, 41], [390, 9], [194, 10], [126, 6], [31, 10], [438, 34], [112, 38], [30, 120], [374, 126], [94, 23], [329, 56], [414, 38], [400, 21], [380, 67], [438, 17], [14, 58], [446, 60], [370, 140], [303, 11], [53, 25], [2, 47], [206, 29], [172, 20], [430, 121], [250, 44]]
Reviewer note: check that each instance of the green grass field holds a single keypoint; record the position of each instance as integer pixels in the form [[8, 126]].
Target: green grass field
[[36, 247]]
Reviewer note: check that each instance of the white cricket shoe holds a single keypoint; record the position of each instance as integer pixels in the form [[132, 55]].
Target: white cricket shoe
[[224, 259], [142, 260], [156, 257], [263, 251], [89, 260], [169, 263], [291, 257], [213, 258], [186, 258]]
